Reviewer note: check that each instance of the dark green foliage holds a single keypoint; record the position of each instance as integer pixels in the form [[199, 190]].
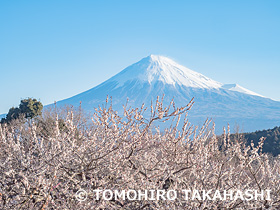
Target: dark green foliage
[[14, 113], [28, 108], [271, 143]]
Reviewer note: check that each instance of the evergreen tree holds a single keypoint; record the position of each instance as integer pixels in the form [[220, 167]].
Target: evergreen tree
[[14, 113], [29, 108]]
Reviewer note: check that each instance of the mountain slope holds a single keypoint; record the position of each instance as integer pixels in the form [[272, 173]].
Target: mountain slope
[[157, 75], [238, 88]]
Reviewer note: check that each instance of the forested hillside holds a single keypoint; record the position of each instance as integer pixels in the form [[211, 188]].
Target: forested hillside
[[271, 143]]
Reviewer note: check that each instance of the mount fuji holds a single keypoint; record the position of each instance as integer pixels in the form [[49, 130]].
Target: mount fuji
[[157, 75]]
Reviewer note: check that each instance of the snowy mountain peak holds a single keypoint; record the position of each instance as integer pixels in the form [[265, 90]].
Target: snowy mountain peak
[[155, 75], [161, 60], [156, 68]]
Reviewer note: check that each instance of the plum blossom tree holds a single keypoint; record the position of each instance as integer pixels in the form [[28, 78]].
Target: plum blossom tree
[[129, 152]]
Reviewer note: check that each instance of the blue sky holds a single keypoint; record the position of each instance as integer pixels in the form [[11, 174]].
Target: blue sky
[[51, 50]]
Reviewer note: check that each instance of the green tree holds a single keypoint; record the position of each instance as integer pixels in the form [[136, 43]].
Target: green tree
[[14, 113], [28, 108]]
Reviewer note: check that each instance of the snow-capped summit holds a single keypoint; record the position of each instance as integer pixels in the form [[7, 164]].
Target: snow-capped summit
[[159, 68], [156, 75]]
